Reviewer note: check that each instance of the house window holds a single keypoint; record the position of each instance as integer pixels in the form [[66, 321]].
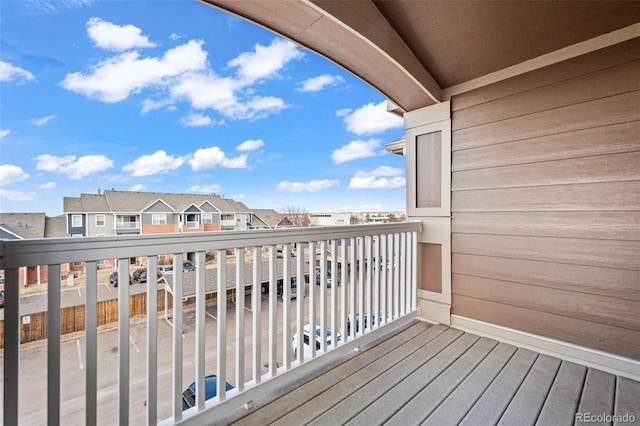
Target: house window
[[100, 262], [76, 221], [207, 218], [100, 220], [159, 219], [77, 263]]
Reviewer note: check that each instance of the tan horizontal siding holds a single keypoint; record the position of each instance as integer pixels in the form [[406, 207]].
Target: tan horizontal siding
[[575, 251], [602, 168], [620, 138], [592, 196], [596, 308], [604, 225], [593, 62], [621, 79], [604, 337], [600, 112], [546, 202], [611, 282]]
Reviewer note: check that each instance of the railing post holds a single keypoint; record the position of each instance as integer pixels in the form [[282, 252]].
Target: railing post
[[312, 297], [177, 337], [152, 340], [273, 311], [221, 299], [11, 345], [53, 346], [91, 349], [257, 314], [323, 295], [200, 328], [240, 290]]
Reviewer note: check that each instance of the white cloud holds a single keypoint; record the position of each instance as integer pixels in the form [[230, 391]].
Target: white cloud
[[4, 133], [75, 169], [158, 162], [10, 72], [48, 185], [149, 105], [371, 119], [357, 149], [110, 36], [250, 145], [10, 174], [196, 120], [210, 158], [312, 186], [174, 36], [137, 187], [42, 121], [265, 62], [17, 195], [115, 78], [318, 83], [383, 177], [208, 189]]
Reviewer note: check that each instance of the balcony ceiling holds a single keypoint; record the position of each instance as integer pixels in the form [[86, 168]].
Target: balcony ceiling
[[411, 50]]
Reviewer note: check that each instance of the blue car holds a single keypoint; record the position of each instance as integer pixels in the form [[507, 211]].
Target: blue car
[[210, 391]]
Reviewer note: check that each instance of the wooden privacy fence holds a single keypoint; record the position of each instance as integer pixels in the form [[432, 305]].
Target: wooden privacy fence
[[72, 318]]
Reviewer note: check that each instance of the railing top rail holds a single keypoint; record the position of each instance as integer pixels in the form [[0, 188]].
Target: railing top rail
[[33, 252]]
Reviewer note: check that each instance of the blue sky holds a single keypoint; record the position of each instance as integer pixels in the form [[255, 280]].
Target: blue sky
[[175, 96]]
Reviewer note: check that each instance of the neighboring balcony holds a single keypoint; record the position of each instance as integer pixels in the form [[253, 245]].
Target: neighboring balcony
[[351, 283], [127, 227]]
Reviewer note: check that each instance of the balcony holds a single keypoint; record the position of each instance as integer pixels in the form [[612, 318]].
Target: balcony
[[237, 338], [127, 227]]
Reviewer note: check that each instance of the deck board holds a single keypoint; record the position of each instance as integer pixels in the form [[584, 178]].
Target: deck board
[[436, 375]]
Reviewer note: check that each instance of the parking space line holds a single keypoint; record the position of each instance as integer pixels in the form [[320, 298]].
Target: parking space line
[[133, 343], [79, 354], [79, 292], [211, 315], [107, 287]]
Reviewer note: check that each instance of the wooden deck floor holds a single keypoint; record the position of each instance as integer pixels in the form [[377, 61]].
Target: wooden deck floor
[[435, 375]]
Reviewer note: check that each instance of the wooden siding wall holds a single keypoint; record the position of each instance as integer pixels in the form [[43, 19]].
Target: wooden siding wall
[[546, 201]]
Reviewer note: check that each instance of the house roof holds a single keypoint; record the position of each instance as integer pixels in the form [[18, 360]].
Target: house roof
[[24, 225], [269, 216], [418, 53], [56, 227]]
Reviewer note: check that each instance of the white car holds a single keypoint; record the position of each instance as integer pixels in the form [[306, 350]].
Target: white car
[[307, 339]]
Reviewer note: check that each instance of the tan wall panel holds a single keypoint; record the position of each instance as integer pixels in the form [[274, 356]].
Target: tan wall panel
[[612, 139], [622, 283], [602, 253], [581, 65], [621, 79], [603, 168], [594, 196], [607, 310], [617, 340], [606, 225], [600, 112], [429, 170], [430, 267]]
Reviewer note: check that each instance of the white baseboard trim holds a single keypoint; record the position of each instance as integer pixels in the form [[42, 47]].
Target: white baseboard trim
[[434, 312], [611, 363]]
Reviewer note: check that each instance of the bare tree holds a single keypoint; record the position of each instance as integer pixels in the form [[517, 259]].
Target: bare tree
[[298, 216]]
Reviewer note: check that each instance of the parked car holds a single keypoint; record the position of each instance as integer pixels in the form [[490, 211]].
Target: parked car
[[164, 269], [318, 277], [1, 299], [317, 340], [293, 290], [376, 317], [188, 266], [113, 279], [140, 275], [210, 391]]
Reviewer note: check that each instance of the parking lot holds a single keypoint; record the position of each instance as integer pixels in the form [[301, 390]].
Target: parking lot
[[34, 360]]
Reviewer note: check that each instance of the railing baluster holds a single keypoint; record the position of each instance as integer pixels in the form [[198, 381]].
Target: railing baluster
[[375, 264], [414, 272], [53, 346], [177, 337], [200, 329], [312, 297], [11, 345], [323, 295], [343, 289], [221, 300], [152, 340], [361, 283], [352, 287], [300, 300], [396, 261], [286, 306], [240, 294], [403, 267], [389, 271], [273, 312], [383, 278], [91, 342], [368, 289], [257, 314], [334, 290]]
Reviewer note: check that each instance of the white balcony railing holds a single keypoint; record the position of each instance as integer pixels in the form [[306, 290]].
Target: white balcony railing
[[386, 291], [127, 225]]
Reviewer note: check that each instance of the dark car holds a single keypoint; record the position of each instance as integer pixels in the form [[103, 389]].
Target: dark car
[[1, 299], [293, 292], [188, 266], [113, 279], [210, 391], [140, 275]]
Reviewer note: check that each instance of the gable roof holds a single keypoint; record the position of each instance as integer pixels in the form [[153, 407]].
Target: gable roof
[[23, 225]]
